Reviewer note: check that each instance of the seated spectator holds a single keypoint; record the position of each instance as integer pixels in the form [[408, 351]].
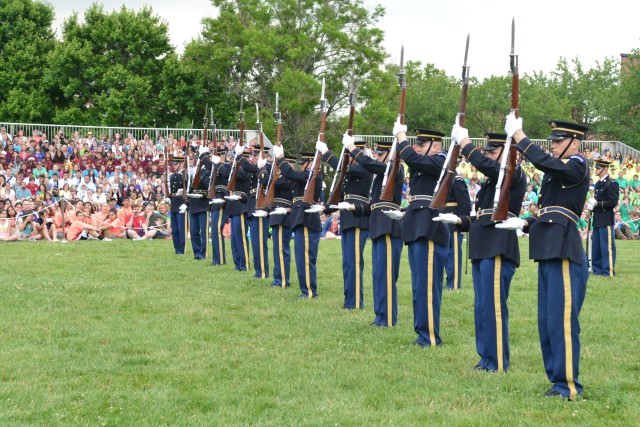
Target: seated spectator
[[623, 230], [7, 228], [81, 230]]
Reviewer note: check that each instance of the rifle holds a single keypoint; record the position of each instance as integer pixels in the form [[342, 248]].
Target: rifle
[[389, 178], [260, 190], [185, 177], [501, 195], [588, 239], [345, 159], [231, 185], [196, 179], [310, 189], [443, 187], [211, 194], [271, 187]]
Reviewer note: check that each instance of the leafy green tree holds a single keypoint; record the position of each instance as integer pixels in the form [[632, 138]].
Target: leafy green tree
[[26, 38], [258, 48], [108, 70]]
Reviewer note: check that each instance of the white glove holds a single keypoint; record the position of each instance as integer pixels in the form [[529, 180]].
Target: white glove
[[458, 133], [203, 150], [194, 196], [232, 197], [239, 149], [347, 140], [216, 202], [512, 125], [447, 218], [260, 213], [279, 211], [591, 204], [215, 159], [512, 224], [277, 151], [183, 208], [398, 127], [262, 162], [315, 209], [346, 206], [166, 200], [179, 192], [394, 214], [321, 147]]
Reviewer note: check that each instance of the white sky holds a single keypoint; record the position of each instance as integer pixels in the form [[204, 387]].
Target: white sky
[[434, 31]]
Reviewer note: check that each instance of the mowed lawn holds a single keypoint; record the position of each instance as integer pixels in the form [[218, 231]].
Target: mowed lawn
[[126, 333]]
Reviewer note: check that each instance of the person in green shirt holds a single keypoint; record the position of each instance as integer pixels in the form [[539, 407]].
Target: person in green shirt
[[622, 181], [634, 183]]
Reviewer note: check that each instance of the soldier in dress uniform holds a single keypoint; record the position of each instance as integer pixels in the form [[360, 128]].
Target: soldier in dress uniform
[[354, 229], [555, 243], [259, 229], [178, 205], [605, 199], [459, 204], [494, 253], [428, 241], [237, 211], [199, 205], [384, 232], [306, 226], [221, 168], [280, 222]]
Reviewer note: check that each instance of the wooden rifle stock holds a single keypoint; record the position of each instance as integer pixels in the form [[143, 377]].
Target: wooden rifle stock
[[260, 189], [185, 173], [167, 171], [231, 186], [275, 170], [345, 160], [389, 180], [309, 191], [501, 205], [196, 179], [211, 194], [443, 188]]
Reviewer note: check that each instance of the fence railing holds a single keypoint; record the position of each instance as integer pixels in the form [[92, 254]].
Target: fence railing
[[155, 133]]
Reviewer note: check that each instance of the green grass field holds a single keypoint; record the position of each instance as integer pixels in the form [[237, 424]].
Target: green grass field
[[126, 333]]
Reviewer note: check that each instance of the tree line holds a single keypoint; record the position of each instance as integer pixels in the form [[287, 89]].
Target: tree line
[[118, 68]]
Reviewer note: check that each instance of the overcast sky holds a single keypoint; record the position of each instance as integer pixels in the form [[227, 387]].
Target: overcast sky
[[434, 31]]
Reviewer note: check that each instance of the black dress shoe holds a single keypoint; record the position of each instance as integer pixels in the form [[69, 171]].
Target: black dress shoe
[[420, 344], [344, 307], [479, 367], [552, 392], [376, 324]]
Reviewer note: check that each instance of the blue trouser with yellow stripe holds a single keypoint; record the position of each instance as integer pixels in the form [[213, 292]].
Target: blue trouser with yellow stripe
[[239, 242], [281, 237], [562, 285], [178, 232], [603, 251], [353, 241], [259, 227], [427, 260], [218, 219], [491, 283], [306, 252], [198, 234], [454, 261], [386, 253]]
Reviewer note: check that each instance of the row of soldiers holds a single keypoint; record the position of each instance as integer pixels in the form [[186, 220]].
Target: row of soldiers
[[432, 237]]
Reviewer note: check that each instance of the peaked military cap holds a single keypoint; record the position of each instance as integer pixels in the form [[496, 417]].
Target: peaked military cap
[[307, 157], [561, 130], [428, 135], [602, 163], [290, 157], [384, 145], [176, 158], [360, 144], [494, 141]]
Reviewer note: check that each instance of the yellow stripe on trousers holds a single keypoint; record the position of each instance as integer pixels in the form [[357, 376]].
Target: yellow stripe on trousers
[[206, 236], [219, 231], [186, 232], [568, 342], [387, 239], [283, 273], [356, 246], [307, 272], [261, 240], [244, 242], [497, 307], [456, 271], [430, 272], [610, 250]]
